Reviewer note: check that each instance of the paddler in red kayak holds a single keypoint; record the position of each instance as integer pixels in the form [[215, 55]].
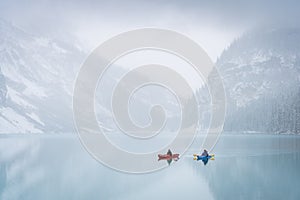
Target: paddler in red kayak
[[169, 156], [169, 153]]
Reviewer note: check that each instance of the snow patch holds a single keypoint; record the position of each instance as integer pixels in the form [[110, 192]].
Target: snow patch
[[15, 122]]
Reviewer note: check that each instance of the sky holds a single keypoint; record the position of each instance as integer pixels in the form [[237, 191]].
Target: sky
[[212, 24]]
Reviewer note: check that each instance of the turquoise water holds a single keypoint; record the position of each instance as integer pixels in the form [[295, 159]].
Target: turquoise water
[[57, 167]]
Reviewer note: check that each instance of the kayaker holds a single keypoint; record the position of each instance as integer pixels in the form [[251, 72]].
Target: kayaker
[[169, 152], [205, 153]]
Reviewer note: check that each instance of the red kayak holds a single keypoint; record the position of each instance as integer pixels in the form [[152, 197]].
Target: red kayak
[[167, 156]]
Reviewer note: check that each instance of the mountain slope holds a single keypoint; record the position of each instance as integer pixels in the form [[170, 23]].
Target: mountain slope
[[261, 73], [36, 80]]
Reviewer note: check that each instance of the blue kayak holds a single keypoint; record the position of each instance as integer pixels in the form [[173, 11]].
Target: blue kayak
[[199, 157], [204, 157]]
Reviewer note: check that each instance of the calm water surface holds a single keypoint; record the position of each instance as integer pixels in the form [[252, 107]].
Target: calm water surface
[[38, 167]]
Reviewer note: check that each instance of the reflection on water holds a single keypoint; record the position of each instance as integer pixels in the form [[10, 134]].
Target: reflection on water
[[57, 167]]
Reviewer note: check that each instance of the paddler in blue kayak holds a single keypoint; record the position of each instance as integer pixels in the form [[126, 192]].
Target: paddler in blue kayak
[[204, 157], [205, 153]]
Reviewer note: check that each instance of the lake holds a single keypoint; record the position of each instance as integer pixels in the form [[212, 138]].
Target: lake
[[58, 167]]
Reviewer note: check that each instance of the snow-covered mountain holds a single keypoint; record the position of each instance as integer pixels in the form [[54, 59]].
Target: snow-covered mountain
[[3, 89], [36, 80], [261, 72], [37, 76]]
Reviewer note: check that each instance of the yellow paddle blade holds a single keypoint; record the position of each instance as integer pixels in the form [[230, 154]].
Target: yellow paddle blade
[[212, 155], [212, 158], [194, 154], [195, 158]]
